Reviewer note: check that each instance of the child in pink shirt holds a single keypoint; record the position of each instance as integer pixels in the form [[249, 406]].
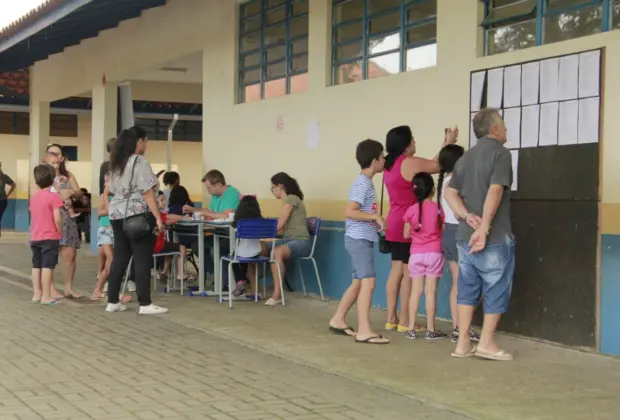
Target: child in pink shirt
[[45, 234], [423, 224]]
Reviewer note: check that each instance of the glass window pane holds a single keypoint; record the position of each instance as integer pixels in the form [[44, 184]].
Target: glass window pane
[[6, 122], [250, 60], [275, 15], [275, 70], [573, 24], [249, 42], [421, 57], [375, 6], [274, 3], [275, 34], [299, 64], [347, 32], [251, 24], [385, 43], [300, 7], [250, 8], [299, 46], [299, 83], [559, 4], [22, 123], [347, 11], [352, 50], [615, 14], [348, 73], [275, 53], [249, 77], [384, 65], [509, 38], [251, 93], [299, 26], [275, 88], [422, 33], [384, 23], [420, 11], [513, 9]]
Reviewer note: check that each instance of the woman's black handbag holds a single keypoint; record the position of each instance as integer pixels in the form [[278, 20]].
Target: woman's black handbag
[[384, 244], [138, 225]]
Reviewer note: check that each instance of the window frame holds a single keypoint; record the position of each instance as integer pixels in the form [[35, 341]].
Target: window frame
[[540, 12], [184, 130], [289, 57], [364, 57]]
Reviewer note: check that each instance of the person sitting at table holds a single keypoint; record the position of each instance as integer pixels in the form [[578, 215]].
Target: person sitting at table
[[224, 201], [292, 228]]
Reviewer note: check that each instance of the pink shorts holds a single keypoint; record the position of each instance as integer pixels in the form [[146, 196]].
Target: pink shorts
[[426, 264]]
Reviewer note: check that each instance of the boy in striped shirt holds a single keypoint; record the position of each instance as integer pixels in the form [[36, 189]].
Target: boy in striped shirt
[[361, 228]]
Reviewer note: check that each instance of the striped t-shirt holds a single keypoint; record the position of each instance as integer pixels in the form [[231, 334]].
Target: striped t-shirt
[[363, 192]]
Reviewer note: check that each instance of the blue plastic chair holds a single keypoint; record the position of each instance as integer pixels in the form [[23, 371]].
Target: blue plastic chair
[[314, 224], [251, 229]]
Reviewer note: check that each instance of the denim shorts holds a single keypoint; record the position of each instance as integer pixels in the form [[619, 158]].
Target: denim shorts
[[448, 242], [299, 248], [488, 273], [362, 255], [105, 236]]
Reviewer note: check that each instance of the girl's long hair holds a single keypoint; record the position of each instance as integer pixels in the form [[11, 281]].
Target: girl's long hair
[[124, 147], [449, 155], [248, 208], [290, 185], [423, 185], [62, 167], [396, 142]]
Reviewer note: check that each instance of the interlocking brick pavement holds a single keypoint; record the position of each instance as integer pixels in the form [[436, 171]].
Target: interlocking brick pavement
[[77, 362]]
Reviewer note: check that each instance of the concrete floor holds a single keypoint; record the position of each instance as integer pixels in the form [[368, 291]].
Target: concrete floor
[[543, 382]]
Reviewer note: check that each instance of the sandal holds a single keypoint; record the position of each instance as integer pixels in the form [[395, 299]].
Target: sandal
[[348, 331], [470, 353], [500, 356], [370, 339]]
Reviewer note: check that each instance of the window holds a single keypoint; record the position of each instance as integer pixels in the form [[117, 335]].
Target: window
[[157, 129], [515, 24], [19, 123], [273, 48], [63, 125], [374, 38]]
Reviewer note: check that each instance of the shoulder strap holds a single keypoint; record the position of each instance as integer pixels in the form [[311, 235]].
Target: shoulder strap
[[133, 168]]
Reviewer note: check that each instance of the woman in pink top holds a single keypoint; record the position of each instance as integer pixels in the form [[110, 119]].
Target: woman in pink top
[[423, 223], [400, 167]]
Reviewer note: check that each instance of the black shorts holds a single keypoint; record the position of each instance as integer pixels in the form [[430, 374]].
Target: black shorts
[[44, 254], [171, 247], [400, 251]]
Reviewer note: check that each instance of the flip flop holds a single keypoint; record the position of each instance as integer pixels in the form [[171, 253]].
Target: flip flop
[[369, 340], [500, 356], [96, 298], [348, 331], [73, 296], [50, 303], [390, 326], [470, 353], [35, 300]]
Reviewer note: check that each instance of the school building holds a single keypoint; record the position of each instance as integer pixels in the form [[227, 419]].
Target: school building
[[264, 86]]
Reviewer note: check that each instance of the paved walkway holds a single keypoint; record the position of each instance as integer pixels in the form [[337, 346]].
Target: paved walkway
[[204, 361]]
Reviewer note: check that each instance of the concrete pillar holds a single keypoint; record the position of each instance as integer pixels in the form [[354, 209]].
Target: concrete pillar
[[319, 45], [104, 123], [39, 131], [126, 105]]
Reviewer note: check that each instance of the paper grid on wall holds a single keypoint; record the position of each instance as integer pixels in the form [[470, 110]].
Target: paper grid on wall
[[550, 102]]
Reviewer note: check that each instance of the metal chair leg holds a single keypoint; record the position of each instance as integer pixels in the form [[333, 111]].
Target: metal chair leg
[[230, 284], [301, 276], [221, 291], [127, 271], [281, 283], [318, 278], [264, 280]]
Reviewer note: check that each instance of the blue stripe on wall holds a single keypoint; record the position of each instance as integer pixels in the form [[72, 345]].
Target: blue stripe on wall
[[610, 294], [22, 215], [8, 219]]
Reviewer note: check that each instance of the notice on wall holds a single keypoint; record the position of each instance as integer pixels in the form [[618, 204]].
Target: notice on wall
[[569, 77], [568, 123], [512, 118], [549, 80], [548, 124], [588, 126], [512, 86], [495, 88], [515, 169], [530, 75], [312, 134], [589, 73], [529, 125], [477, 86]]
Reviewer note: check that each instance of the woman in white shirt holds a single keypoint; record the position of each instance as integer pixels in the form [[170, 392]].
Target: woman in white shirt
[[448, 157]]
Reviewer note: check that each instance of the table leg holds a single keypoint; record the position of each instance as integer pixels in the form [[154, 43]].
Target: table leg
[[217, 280], [201, 256]]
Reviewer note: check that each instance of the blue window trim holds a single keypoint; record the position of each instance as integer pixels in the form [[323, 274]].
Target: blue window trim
[[542, 11], [365, 19], [261, 51]]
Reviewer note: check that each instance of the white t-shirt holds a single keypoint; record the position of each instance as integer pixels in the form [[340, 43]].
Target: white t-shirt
[[450, 218], [248, 248]]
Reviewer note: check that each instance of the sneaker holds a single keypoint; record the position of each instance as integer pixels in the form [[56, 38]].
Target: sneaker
[[410, 335], [131, 286], [273, 302], [152, 310], [115, 307], [239, 289], [455, 335], [473, 336], [435, 335]]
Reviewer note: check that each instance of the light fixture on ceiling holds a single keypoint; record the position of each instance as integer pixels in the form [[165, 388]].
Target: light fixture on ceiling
[[175, 69]]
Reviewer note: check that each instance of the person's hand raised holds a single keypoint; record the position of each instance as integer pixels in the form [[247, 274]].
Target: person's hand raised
[[451, 135]]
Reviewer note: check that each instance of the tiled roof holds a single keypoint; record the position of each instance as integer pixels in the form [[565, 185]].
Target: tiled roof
[[30, 17], [16, 81]]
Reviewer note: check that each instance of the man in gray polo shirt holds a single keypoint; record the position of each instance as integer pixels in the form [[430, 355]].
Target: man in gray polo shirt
[[479, 194]]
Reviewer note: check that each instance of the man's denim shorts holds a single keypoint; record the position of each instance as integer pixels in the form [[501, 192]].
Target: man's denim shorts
[[488, 273], [361, 252]]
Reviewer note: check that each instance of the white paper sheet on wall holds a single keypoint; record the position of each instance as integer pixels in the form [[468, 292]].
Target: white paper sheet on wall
[[589, 73], [549, 80], [588, 127], [569, 77], [477, 87], [530, 76], [312, 134], [512, 118], [548, 124], [512, 86], [515, 169], [495, 88], [529, 125], [568, 123], [472, 137]]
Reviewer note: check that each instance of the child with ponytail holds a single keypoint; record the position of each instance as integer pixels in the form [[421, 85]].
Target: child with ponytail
[[423, 224]]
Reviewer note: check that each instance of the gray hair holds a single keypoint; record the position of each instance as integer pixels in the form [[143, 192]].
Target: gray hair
[[484, 120]]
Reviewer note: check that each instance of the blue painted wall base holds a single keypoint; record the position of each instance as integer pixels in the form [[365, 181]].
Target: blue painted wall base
[[610, 295]]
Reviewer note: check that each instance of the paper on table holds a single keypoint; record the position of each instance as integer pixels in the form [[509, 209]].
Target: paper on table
[[512, 118], [312, 135], [569, 77], [548, 124], [472, 137], [515, 169], [549, 80], [477, 86], [567, 126], [495, 87], [589, 73], [588, 120], [512, 86], [529, 125], [530, 76]]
